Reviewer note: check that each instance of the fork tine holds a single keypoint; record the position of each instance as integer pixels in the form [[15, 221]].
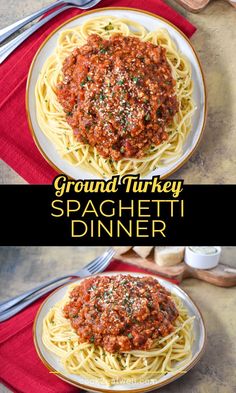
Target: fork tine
[[101, 267], [102, 263], [98, 259], [98, 266]]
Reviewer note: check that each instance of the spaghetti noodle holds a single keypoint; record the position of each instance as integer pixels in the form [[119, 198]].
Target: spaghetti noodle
[[168, 352], [54, 121]]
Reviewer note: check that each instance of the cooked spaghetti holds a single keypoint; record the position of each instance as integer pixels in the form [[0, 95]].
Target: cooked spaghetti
[[115, 98], [119, 328]]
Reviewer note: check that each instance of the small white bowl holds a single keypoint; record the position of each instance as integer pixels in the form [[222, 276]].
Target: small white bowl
[[198, 258]]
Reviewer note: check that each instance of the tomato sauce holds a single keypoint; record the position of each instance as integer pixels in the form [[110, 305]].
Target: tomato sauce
[[118, 95], [121, 313]]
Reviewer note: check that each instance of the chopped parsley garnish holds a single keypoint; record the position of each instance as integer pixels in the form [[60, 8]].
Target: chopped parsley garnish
[[108, 27], [147, 117], [85, 140], [101, 97], [123, 121], [83, 83], [91, 339], [103, 50], [69, 113], [130, 335], [121, 82], [136, 79], [89, 78], [159, 112], [134, 320]]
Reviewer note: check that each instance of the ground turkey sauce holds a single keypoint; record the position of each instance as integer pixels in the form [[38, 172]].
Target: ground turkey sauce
[[121, 313], [118, 95]]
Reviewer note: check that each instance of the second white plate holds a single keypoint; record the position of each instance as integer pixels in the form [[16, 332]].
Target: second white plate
[[52, 362]]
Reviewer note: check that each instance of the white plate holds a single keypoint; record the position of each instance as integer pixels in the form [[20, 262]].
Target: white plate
[[151, 22], [52, 361]]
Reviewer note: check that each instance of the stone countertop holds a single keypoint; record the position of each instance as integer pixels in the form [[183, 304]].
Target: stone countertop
[[22, 268], [215, 160]]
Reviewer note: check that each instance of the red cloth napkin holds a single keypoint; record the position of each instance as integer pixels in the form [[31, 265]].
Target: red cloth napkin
[[17, 147], [21, 369]]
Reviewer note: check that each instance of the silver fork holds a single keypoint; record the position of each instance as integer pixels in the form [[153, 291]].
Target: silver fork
[[9, 30], [9, 47], [14, 305]]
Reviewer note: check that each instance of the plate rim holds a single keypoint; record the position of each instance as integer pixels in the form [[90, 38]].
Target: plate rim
[[104, 390], [205, 110]]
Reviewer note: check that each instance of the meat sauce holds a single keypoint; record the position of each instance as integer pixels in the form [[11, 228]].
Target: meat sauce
[[121, 313], [118, 95]]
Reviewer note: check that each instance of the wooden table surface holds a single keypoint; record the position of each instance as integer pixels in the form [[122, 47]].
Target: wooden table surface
[[22, 268], [215, 159]]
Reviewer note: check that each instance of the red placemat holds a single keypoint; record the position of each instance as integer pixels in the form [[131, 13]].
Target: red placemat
[[21, 369], [17, 147]]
